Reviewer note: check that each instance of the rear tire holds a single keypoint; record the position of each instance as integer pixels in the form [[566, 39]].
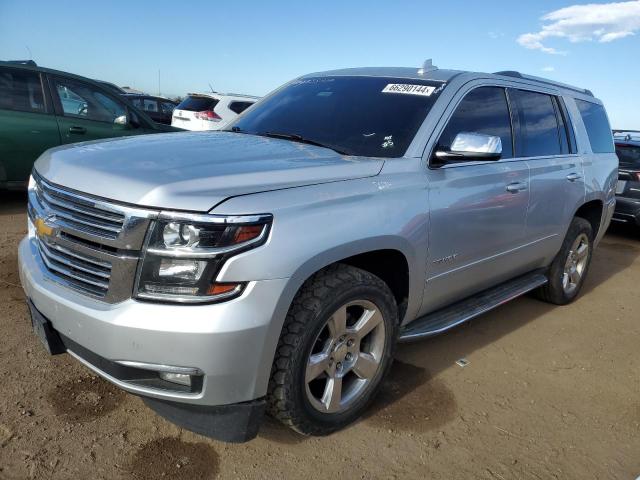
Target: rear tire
[[570, 267], [335, 348]]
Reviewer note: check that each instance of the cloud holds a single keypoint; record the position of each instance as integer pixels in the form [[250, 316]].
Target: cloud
[[602, 22], [549, 69], [495, 35]]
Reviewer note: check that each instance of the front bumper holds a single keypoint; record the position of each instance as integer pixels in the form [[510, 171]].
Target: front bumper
[[225, 341]]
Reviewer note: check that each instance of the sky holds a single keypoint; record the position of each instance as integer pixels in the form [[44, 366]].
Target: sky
[[254, 46]]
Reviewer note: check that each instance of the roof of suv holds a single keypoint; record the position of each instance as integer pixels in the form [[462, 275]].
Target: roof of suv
[[218, 95], [31, 65], [144, 95], [438, 75]]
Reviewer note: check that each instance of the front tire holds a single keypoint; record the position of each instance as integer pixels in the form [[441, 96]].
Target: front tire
[[569, 269], [335, 348]]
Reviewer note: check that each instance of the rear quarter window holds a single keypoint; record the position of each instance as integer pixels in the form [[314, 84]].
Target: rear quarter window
[[21, 91], [239, 107], [598, 129]]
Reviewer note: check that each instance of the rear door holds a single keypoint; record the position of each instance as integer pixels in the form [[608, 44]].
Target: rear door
[[477, 209], [546, 139], [27, 124], [86, 112]]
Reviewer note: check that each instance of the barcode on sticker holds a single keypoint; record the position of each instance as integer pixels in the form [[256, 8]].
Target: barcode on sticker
[[409, 89]]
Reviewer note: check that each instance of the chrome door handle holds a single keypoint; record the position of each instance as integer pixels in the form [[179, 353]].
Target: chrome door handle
[[516, 187], [572, 177]]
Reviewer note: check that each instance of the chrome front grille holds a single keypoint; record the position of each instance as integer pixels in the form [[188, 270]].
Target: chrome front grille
[[80, 213], [87, 244], [85, 273]]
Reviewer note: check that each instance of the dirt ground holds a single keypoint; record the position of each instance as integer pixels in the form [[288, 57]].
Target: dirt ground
[[548, 392]]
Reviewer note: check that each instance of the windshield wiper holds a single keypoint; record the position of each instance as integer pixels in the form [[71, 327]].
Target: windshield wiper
[[300, 139], [233, 129]]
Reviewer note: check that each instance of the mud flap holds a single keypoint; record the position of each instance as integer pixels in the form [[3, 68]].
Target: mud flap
[[236, 423]]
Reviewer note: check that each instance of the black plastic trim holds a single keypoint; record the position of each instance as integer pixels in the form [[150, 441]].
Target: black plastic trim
[[234, 423]]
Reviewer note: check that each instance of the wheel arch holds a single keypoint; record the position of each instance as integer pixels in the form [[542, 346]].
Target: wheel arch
[[592, 211], [362, 254]]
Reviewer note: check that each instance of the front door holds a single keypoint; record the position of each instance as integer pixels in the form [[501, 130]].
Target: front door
[[87, 112], [478, 209]]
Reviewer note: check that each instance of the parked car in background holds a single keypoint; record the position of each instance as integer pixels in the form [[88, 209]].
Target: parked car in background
[[159, 109], [628, 190], [42, 108], [210, 111], [276, 264]]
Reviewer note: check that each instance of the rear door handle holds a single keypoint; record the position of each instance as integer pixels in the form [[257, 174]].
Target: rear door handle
[[572, 177], [78, 130], [516, 187]]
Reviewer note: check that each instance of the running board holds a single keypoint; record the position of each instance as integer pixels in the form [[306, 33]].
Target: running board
[[448, 317]]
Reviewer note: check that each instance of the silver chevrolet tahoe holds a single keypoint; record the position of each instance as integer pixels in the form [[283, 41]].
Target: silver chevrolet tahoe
[[273, 267]]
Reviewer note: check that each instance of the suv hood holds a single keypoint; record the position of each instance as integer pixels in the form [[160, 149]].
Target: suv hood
[[195, 170]]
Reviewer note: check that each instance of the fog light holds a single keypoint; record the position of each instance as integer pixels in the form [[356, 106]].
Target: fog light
[[179, 378]]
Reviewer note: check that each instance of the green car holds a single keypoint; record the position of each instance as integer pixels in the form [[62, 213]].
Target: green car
[[42, 108]]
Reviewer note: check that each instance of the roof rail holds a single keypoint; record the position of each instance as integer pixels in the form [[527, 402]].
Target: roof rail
[[626, 135], [509, 73], [515, 74], [31, 63]]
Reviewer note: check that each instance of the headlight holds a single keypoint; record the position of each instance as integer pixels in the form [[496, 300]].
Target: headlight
[[184, 253]]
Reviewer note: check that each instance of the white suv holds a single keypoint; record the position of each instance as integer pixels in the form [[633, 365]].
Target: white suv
[[210, 111]]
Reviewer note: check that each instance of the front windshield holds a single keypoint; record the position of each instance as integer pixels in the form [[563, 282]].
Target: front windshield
[[367, 116]]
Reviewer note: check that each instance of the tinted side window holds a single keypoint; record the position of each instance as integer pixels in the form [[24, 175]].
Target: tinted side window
[[597, 125], [150, 105], [167, 107], [484, 110], [21, 90], [538, 125], [239, 107], [82, 100]]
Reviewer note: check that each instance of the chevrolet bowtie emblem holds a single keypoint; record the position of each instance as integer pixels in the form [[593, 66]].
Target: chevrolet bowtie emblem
[[42, 228]]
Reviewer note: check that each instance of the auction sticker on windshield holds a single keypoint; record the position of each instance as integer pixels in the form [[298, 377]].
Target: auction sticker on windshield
[[409, 89]]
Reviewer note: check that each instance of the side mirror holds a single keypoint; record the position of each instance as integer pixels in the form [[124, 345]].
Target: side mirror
[[121, 122], [469, 147]]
